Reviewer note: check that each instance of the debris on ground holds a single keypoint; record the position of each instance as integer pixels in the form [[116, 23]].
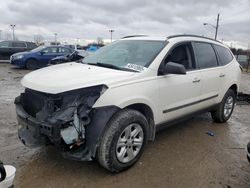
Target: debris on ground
[[243, 98], [210, 133]]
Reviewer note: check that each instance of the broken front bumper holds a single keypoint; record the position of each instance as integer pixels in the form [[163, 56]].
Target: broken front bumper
[[34, 132], [31, 132]]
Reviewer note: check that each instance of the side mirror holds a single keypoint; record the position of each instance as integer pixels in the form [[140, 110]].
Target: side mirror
[[42, 53], [174, 68]]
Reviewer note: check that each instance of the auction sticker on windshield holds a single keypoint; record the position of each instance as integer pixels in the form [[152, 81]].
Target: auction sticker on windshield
[[135, 67]]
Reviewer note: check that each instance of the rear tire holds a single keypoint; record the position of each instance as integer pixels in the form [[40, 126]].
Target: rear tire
[[32, 64], [225, 108], [123, 140]]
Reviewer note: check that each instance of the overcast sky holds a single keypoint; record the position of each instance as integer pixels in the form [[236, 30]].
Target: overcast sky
[[91, 19]]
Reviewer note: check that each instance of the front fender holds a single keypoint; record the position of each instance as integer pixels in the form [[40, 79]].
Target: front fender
[[130, 95]]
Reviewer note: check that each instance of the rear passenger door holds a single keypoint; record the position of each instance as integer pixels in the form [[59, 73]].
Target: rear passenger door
[[211, 73], [18, 46]]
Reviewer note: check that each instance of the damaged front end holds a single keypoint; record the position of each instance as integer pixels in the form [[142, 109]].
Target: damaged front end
[[66, 120]]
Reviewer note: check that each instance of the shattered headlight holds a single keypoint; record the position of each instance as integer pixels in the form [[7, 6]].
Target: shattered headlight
[[80, 100]]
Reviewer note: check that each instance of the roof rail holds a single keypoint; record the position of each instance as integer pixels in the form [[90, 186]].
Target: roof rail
[[187, 35], [131, 36]]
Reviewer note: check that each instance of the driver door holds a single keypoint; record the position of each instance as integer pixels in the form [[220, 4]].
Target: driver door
[[180, 93]]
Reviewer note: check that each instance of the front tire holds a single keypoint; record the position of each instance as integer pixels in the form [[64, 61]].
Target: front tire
[[32, 64], [225, 108], [123, 141]]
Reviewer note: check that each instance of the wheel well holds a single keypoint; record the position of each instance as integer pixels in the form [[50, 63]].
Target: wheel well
[[31, 58], [234, 88], [148, 113]]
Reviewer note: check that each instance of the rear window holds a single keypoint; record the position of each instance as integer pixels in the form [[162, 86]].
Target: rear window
[[205, 55], [31, 45], [224, 54], [19, 44]]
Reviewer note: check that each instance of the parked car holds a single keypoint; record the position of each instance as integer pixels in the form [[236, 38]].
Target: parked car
[[7, 48], [111, 105], [75, 56], [38, 57], [248, 152]]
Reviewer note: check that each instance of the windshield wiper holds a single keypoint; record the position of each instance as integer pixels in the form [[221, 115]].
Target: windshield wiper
[[111, 66]]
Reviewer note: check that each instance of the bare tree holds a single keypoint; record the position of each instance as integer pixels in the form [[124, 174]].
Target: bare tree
[[99, 41], [38, 39], [7, 36]]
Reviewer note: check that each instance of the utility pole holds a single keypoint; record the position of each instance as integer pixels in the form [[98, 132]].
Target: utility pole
[[217, 26], [111, 32], [13, 31]]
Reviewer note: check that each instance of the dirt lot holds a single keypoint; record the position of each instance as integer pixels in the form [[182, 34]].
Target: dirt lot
[[181, 156]]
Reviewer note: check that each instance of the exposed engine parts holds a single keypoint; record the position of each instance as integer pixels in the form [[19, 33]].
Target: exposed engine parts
[[74, 135], [62, 118]]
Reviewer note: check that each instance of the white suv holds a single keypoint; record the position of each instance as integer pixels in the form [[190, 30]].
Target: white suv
[[111, 105]]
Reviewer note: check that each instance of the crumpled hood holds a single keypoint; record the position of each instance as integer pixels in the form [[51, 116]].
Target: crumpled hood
[[70, 76]]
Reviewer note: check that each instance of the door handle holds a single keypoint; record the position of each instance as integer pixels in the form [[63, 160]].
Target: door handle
[[222, 75], [196, 80]]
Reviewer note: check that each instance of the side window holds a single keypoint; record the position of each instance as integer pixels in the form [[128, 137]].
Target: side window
[[5, 44], [31, 45], [19, 45], [50, 50], [205, 55], [224, 55], [64, 50], [182, 54]]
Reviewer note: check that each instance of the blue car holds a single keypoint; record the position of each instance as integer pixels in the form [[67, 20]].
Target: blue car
[[38, 57]]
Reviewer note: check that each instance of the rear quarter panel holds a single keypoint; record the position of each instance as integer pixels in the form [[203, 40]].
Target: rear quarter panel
[[233, 76]]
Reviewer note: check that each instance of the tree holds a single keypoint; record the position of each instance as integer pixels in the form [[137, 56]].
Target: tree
[[7, 36], [100, 41], [234, 50], [38, 39]]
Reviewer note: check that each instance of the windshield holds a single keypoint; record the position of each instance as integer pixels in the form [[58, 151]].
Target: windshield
[[131, 54], [38, 49]]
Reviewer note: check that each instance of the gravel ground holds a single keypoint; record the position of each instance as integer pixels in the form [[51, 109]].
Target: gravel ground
[[181, 156]]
